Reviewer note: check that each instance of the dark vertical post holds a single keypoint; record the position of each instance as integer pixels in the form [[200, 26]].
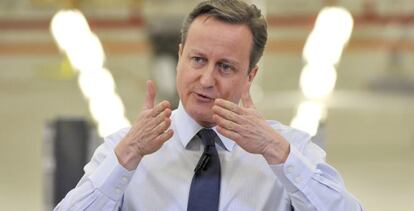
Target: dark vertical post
[[70, 151]]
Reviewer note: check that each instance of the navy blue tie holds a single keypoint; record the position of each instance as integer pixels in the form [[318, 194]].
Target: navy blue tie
[[205, 186]]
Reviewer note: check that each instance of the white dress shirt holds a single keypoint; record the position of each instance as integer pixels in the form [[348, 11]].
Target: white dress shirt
[[162, 179]]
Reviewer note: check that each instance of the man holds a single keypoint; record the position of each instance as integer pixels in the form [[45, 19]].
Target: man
[[211, 153]]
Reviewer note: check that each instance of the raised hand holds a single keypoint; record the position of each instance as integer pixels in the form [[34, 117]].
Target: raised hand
[[149, 131], [249, 129]]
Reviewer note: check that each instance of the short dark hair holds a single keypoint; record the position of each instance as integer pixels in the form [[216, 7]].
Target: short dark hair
[[233, 12]]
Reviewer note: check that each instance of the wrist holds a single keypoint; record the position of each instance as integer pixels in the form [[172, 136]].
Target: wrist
[[277, 153], [127, 157]]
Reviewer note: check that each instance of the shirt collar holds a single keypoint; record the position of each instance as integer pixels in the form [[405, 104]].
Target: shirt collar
[[187, 128]]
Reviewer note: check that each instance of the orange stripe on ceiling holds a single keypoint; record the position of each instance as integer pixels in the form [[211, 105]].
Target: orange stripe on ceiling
[[381, 44], [50, 48], [101, 23], [28, 48], [273, 46], [136, 21], [365, 19], [127, 47], [353, 45]]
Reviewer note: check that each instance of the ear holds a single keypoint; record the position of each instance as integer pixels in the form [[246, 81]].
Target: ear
[[180, 50], [252, 73], [250, 77]]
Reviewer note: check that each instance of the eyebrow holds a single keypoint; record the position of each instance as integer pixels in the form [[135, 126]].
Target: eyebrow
[[194, 51]]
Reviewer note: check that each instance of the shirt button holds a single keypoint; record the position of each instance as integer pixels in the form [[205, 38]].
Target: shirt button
[[290, 169], [118, 191], [298, 179], [125, 179]]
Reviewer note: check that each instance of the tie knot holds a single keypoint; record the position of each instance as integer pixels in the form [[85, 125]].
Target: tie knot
[[207, 136]]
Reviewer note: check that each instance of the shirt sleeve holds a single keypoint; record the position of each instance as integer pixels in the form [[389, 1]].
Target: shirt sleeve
[[311, 183], [103, 184]]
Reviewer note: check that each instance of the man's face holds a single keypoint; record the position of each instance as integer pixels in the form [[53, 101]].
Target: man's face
[[212, 64]]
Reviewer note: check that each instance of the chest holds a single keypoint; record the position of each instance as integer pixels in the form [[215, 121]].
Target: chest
[[162, 182]]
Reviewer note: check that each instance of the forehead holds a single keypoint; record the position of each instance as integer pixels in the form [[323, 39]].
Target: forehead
[[215, 37]]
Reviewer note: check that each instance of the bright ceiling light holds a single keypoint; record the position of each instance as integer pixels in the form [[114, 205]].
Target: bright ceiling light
[[322, 51], [308, 116], [84, 50], [331, 32], [317, 81]]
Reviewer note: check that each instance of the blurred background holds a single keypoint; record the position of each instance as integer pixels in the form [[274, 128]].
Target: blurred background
[[48, 103]]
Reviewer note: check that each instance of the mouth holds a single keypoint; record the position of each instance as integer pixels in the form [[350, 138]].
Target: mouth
[[203, 98]]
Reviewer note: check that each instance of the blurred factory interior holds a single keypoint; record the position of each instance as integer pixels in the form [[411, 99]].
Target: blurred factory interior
[[366, 125]]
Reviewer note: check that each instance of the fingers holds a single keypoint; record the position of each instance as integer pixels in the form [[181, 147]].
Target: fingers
[[159, 114], [162, 116], [161, 127], [164, 136], [160, 107], [228, 133], [161, 132], [159, 118], [226, 114], [226, 124], [153, 122], [228, 105], [150, 95]]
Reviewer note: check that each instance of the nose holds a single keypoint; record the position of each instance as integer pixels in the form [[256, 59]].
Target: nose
[[207, 77]]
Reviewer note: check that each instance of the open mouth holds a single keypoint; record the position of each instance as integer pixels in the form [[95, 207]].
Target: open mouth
[[204, 98]]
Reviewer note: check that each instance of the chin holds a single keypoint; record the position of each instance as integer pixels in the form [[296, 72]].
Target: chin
[[207, 123], [202, 116]]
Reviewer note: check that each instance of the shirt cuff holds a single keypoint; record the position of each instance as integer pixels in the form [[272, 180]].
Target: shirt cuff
[[111, 178], [296, 172]]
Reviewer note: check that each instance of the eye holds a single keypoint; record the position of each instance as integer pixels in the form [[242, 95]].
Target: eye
[[198, 61], [225, 68]]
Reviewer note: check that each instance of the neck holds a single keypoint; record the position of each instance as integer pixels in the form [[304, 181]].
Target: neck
[[206, 124]]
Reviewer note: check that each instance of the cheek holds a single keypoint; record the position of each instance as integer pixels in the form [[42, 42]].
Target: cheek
[[179, 80], [183, 80], [231, 90]]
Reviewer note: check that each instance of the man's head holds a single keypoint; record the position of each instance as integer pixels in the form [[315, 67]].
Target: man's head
[[222, 42], [233, 12]]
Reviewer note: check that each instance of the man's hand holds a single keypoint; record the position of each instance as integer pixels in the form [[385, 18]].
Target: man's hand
[[148, 133], [249, 129]]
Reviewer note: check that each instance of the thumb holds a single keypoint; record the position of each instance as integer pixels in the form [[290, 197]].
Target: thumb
[[247, 99], [150, 95]]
